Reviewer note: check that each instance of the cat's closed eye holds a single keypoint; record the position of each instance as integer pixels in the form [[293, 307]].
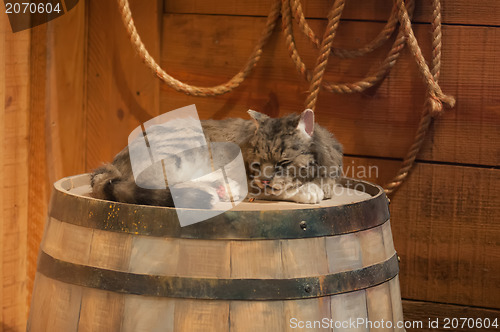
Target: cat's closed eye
[[284, 163]]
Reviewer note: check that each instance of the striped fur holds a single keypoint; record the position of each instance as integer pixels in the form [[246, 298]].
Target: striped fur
[[288, 158]]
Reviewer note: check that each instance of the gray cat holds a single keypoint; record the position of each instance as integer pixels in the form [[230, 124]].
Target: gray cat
[[289, 158]]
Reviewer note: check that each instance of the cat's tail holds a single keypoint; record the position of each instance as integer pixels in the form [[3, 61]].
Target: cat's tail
[[103, 181], [109, 183]]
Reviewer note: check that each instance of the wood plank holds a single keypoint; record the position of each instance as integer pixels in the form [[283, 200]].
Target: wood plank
[[305, 258], [39, 186], [150, 255], [208, 50], [256, 259], [378, 303], [148, 314], [378, 298], [203, 259], [421, 312], [14, 151], [57, 115], [156, 256], [456, 12], [103, 310], [55, 307], [100, 311], [372, 246], [67, 242], [200, 315], [65, 104], [345, 254], [396, 303], [122, 92], [249, 316], [446, 228]]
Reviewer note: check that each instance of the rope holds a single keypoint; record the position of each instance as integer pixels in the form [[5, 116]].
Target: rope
[[360, 86], [193, 90], [378, 41], [401, 13], [431, 106], [436, 96], [326, 45]]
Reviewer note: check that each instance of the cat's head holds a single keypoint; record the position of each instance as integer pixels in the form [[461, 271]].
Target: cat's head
[[281, 154]]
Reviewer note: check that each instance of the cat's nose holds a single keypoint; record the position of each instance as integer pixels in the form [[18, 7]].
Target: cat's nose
[[266, 182]]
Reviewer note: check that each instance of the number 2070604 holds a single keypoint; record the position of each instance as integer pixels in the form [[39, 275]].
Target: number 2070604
[[33, 8]]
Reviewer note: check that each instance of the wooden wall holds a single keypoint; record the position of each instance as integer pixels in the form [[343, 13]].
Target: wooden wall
[[14, 152], [73, 90]]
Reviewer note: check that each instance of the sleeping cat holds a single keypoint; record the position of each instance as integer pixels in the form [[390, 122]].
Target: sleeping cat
[[289, 158]]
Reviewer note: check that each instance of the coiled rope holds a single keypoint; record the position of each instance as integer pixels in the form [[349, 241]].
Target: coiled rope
[[401, 13]]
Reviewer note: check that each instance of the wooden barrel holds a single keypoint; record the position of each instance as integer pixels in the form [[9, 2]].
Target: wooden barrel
[[108, 266]]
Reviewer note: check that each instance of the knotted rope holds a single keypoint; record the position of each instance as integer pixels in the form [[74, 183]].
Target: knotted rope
[[435, 98], [433, 105]]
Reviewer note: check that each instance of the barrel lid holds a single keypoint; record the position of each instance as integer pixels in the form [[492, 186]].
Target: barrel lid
[[248, 221]]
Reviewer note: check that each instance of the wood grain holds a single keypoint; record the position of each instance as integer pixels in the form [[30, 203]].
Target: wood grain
[[57, 115], [198, 316], [378, 303], [56, 306], [446, 229], [148, 314], [208, 50], [454, 11], [100, 311], [397, 306], [67, 242], [103, 310], [122, 92], [65, 120], [14, 152], [39, 185]]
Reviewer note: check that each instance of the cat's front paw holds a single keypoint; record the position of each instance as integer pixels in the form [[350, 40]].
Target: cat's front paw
[[231, 191], [309, 193]]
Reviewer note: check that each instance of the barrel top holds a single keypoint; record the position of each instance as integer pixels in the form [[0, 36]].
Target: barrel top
[[359, 205]]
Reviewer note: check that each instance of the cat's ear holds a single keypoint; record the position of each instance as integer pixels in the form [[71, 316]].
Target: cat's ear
[[306, 122], [257, 117]]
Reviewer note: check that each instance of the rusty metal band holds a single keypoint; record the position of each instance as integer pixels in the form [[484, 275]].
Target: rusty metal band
[[221, 289], [235, 225]]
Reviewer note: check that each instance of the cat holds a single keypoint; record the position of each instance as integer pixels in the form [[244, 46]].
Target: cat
[[288, 158]]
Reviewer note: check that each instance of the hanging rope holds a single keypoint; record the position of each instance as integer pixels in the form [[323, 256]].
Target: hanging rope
[[193, 90], [344, 53], [359, 86], [401, 13], [433, 105], [324, 52]]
